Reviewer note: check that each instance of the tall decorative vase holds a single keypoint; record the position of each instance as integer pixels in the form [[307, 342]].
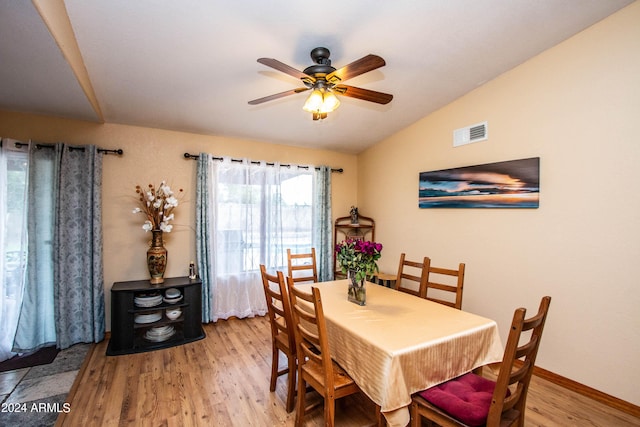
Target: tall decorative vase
[[357, 292], [156, 258]]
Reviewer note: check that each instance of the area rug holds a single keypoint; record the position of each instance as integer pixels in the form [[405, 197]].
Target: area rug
[[39, 397], [43, 356]]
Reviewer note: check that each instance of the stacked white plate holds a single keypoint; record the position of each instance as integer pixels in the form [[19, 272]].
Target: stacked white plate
[[160, 333], [148, 301], [172, 296], [148, 317]]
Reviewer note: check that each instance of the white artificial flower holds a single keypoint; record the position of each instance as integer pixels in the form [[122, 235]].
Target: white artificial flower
[[157, 203], [171, 201]]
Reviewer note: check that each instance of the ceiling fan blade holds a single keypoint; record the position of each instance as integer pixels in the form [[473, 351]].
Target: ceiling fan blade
[[280, 66], [360, 66], [277, 95], [364, 94]]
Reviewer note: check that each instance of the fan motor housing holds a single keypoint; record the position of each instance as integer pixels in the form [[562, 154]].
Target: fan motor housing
[[320, 55], [314, 70]]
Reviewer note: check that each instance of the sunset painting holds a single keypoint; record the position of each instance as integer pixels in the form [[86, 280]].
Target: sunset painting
[[510, 184]]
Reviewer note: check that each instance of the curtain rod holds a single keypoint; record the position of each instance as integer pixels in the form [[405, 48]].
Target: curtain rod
[[118, 151], [195, 157]]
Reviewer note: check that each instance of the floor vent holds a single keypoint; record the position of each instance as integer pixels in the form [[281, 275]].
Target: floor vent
[[469, 134]]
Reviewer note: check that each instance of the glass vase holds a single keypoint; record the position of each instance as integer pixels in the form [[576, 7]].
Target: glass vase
[[357, 292]]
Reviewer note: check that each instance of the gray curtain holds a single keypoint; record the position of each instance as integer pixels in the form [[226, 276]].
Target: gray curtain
[[77, 248], [322, 224], [63, 299], [203, 233]]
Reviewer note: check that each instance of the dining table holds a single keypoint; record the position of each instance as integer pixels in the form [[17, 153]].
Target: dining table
[[398, 344]]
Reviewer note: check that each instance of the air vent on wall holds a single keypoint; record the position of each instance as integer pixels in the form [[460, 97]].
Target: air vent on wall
[[469, 134]]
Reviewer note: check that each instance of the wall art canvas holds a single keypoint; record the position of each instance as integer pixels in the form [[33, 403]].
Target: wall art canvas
[[510, 184]]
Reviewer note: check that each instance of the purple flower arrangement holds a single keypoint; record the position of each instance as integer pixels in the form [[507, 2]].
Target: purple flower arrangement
[[359, 256]]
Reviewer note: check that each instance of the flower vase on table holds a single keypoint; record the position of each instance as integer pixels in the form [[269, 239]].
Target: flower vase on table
[[357, 292], [357, 259]]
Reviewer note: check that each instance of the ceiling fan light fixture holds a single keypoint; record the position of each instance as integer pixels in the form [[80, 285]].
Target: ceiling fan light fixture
[[314, 101], [330, 103], [320, 102]]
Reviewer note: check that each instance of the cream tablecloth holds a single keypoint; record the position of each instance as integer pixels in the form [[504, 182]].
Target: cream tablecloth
[[399, 344]]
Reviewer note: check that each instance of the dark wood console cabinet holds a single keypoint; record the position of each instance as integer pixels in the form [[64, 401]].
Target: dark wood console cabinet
[[127, 336]]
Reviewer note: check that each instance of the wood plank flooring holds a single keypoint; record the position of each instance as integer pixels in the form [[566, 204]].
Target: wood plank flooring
[[223, 380]]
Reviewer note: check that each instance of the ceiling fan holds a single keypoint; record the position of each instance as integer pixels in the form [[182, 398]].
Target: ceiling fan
[[325, 82]]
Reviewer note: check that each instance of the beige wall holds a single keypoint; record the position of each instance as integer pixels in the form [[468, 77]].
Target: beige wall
[[151, 155], [577, 107]]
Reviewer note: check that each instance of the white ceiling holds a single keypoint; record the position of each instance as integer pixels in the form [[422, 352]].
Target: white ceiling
[[190, 65]]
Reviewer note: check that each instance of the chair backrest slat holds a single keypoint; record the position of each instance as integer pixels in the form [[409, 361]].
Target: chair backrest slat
[[404, 277], [278, 304], [514, 369], [305, 263], [311, 330], [435, 281]]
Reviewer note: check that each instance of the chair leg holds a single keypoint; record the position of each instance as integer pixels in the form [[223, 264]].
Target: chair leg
[[301, 404], [291, 383], [381, 420], [415, 417], [275, 361], [329, 411]]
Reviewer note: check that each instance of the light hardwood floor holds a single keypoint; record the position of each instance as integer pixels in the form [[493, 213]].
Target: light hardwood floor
[[223, 380]]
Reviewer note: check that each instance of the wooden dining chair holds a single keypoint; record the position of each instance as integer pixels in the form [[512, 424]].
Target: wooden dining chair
[[473, 400], [302, 267], [315, 366], [441, 280], [412, 276], [282, 335]]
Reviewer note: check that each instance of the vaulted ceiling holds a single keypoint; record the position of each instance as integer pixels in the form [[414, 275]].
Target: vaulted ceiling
[[190, 65]]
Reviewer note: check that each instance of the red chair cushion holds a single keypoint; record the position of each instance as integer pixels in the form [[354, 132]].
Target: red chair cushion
[[466, 398]]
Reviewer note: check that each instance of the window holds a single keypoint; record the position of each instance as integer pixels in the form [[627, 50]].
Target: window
[[250, 213], [260, 221]]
